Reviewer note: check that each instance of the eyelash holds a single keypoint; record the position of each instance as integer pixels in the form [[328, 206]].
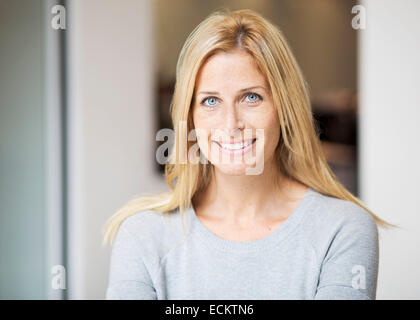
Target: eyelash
[[246, 94]]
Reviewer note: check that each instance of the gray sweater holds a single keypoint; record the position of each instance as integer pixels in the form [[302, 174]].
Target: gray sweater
[[326, 249]]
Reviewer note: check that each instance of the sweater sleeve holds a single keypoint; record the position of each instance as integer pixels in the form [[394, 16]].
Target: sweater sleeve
[[129, 278], [349, 269]]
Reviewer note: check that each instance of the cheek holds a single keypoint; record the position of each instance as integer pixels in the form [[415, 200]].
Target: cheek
[[204, 124], [200, 121], [271, 127], [202, 131]]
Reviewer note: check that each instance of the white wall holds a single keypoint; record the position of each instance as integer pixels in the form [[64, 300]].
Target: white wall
[[389, 137], [111, 127]]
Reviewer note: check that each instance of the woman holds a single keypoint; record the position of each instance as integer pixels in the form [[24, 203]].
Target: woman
[[264, 217]]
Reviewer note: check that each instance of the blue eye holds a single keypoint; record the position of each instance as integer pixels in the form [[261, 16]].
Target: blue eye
[[253, 97], [210, 101]]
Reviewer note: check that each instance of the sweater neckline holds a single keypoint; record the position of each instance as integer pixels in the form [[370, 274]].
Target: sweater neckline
[[274, 238]]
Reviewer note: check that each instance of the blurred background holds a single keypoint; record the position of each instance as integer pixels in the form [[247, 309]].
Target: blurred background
[[86, 84]]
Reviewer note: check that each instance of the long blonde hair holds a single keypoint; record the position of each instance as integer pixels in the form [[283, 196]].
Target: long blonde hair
[[299, 152]]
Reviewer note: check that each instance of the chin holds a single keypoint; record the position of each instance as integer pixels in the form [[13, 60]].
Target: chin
[[232, 169]]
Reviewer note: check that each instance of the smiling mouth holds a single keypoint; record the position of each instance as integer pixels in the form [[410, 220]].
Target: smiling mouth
[[236, 146]]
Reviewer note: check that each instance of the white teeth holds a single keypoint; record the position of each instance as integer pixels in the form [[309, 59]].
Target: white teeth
[[235, 146]]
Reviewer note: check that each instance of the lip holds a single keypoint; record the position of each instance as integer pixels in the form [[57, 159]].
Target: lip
[[233, 142], [239, 151]]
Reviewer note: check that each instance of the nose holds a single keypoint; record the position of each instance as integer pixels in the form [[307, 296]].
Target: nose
[[233, 121]]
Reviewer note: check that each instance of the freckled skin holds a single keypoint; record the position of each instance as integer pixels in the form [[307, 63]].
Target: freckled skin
[[226, 74], [236, 205]]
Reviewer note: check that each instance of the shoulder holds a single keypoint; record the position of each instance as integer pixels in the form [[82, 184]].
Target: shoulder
[[142, 223], [344, 237], [329, 218], [154, 231], [331, 212]]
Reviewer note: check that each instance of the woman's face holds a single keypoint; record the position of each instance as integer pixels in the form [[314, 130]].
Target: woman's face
[[236, 122]]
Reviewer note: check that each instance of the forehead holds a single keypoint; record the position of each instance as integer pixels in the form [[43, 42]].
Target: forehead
[[229, 70]]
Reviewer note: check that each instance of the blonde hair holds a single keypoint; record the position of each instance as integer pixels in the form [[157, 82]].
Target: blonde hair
[[299, 152]]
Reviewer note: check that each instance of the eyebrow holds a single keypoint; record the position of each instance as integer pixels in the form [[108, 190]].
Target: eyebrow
[[242, 90]]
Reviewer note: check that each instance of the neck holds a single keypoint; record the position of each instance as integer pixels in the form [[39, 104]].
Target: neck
[[242, 197]]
